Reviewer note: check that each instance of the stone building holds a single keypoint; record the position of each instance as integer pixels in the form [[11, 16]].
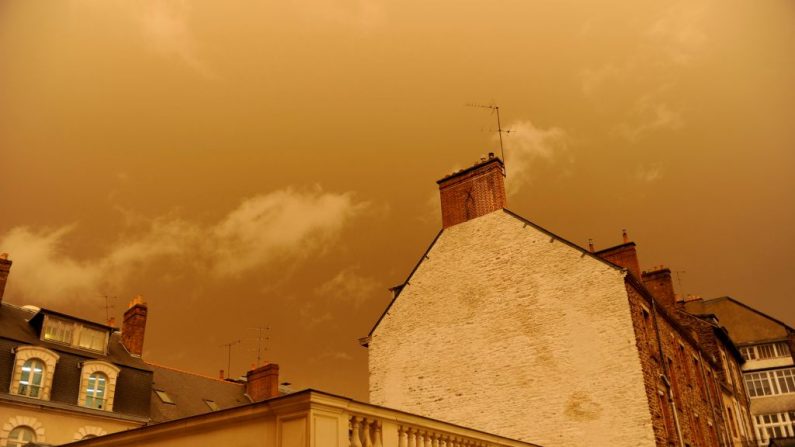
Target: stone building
[[769, 370], [506, 327], [63, 378]]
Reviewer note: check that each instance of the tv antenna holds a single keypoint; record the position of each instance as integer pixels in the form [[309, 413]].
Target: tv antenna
[[261, 338], [495, 109], [228, 347], [108, 305]]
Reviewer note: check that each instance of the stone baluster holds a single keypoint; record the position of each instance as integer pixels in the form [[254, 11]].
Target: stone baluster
[[412, 435], [368, 441], [377, 434], [444, 441], [402, 437], [355, 428], [429, 439]]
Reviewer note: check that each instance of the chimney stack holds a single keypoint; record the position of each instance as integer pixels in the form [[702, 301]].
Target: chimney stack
[[624, 255], [134, 326], [263, 383], [5, 267], [661, 285], [472, 192]]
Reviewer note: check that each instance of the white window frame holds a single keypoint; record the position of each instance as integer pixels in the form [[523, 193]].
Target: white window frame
[[765, 351], [25, 353], [74, 333], [110, 370], [773, 379]]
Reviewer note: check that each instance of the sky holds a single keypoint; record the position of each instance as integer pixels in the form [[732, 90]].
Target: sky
[[272, 164]]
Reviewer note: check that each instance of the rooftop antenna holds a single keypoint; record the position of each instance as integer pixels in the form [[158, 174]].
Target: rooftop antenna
[[495, 109], [228, 347], [261, 338], [108, 305]]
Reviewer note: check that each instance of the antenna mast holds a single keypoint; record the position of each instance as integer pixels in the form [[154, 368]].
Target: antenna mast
[[228, 346], [496, 109]]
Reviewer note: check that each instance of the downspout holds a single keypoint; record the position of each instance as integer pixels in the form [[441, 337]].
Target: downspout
[[664, 377]]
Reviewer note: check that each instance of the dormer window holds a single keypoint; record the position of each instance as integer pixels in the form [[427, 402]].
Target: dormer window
[[30, 381], [98, 385], [33, 372], [74, 333]]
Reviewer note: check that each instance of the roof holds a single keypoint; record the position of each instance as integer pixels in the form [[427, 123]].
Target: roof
[[399, 288], [16, 325], [190, 393], [736, 315]]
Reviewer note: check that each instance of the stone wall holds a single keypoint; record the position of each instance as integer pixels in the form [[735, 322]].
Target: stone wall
[[507, 329]]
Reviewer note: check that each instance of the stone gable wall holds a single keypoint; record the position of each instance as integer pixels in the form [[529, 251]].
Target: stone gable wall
[[508, 330]]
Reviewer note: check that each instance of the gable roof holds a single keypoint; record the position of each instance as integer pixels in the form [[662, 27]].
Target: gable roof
[[189, 393], [745, 323], [526, 222]]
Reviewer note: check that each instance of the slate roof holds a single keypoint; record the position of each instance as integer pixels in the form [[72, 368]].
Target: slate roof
[[189, 392], [22, 325]]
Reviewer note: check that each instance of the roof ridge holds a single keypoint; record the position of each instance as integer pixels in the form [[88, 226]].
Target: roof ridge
[[171, 368]]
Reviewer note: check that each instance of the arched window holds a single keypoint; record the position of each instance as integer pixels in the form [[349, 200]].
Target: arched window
[[95, 391], [30, 381], [89, 436], [20, 436]]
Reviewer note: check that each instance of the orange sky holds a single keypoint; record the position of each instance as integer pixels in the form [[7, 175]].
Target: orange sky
[[254, 163]]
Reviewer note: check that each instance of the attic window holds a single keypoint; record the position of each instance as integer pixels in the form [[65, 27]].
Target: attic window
[[164, 397], [74, 334], [211, 403]]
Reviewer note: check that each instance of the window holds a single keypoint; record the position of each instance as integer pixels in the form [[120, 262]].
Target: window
[[211, 403], [769, 383], [774, 425], [31, 378], [95, 392], [20, 436], [73, 333], [164, 397], [98, 385], [32, 373], [766, 351]]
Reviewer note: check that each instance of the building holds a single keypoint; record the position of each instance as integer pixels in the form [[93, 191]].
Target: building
[[307, 418], [769, 370], [64, 378], [506, 327]]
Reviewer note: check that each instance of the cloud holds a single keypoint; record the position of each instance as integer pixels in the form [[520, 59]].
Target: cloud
[[680, 32], [348, 286], [165, 26], [649, 116], [358, 14], [528, 144], [648, 173], [280, 226]]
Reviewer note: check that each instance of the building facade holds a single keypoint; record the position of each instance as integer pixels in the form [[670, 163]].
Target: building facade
[[63, 378], [769, 370], [506, 327]]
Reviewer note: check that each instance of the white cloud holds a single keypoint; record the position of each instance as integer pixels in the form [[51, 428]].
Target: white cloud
[[650, 115], [525, 146], [348, 286], [165, 25], [648, 173], [282, 225], [680, 31]]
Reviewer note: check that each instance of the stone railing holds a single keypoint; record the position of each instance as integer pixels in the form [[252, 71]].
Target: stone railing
[[368, 432]]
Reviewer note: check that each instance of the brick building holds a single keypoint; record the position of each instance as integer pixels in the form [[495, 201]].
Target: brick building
[[506, 327], [769, 369]]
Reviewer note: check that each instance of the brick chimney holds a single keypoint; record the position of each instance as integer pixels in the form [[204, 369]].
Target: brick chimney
[[263, 382], [134, 326], [661, 285], [624, 255], [472, 192], [5, 267]]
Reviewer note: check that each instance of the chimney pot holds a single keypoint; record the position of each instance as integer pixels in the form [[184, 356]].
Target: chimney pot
[[472, 192], [133, 326], [625, 236], [221, 374], [590, 245]]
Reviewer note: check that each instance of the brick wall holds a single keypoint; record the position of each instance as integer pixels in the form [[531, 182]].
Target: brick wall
[[506, 329]]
